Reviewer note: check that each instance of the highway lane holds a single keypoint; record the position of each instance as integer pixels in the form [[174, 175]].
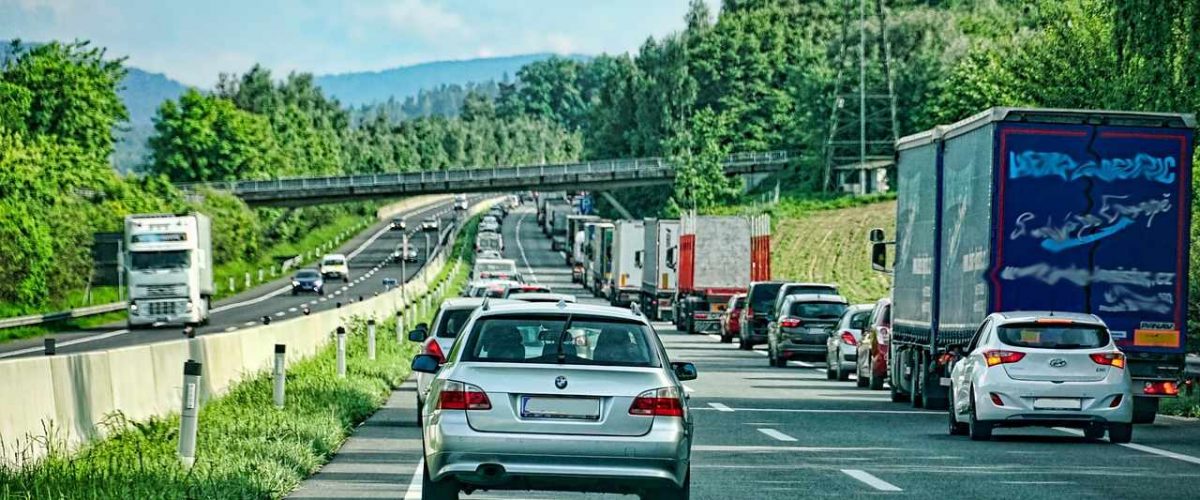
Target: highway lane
[[366, 250], [765, 432]]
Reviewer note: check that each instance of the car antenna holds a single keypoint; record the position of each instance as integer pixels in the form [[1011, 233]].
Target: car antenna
[[562, 356], [484, 305]]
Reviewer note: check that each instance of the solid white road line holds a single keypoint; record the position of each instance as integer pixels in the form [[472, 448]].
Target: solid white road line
[[253, 301], [32, 350], [777, 435], [521, 248], [864, 412], [414, 486], [870, 480], [781, 449], [1143, 448], [720, 407]]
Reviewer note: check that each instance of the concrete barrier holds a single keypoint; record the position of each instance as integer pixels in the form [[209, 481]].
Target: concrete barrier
[[73, 394]]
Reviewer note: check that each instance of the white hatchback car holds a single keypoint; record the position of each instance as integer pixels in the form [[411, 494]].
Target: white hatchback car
[[1041, 369]]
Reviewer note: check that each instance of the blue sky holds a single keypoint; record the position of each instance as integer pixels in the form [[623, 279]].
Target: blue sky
[[193, 40]]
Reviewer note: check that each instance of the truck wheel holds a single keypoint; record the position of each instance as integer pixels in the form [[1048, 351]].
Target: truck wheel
[[876, 382], [1144, 410], [743, 345], [979, 431], [1120, 433], [915, 386], [897, 396]]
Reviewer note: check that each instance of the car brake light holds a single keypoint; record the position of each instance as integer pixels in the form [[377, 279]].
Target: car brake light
[[661, 402], [1113, 359], [790, 322], [1161, 388], [460, 396], [848, 338], [433, 349], [1001, 357], [1053, 321]]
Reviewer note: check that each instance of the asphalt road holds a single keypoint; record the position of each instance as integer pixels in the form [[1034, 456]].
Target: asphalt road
[[764, 432], [366, 250]]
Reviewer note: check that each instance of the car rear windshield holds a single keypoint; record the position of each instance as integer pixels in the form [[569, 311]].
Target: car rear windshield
[[817, 310], [762, 296], [488, 267], [858, 320], [576, 340], [334, 262], [1047, 336], [308, 274], [452, 322], [809, 289], [740, 303]]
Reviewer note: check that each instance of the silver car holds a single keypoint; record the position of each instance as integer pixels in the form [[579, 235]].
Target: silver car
[[1041, 369], [449, 321], [559, 397], [841, 349]]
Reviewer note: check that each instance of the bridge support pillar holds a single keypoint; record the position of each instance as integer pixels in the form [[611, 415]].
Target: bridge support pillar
[[616, 205]]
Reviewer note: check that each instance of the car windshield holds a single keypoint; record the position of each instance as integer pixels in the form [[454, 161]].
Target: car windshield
[[170, 259], [858, 320], [452, 322], [1049, 336], [762, 296], [307, 275], [817, 310], [491, 267], [577, 340], [334, 262]]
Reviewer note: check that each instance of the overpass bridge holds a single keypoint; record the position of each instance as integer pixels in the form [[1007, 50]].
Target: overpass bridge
[[591, 175]]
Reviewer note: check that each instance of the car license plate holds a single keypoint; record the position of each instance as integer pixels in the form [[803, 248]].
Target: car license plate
[[1057, 404], [568, 408]]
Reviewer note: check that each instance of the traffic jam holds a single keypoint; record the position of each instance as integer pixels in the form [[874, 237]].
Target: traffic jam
[[1004, 313]]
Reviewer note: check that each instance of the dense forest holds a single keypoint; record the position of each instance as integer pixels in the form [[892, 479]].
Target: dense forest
[[60, 106]]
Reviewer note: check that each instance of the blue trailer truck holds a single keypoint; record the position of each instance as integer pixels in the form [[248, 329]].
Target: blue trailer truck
[[1041, 209]]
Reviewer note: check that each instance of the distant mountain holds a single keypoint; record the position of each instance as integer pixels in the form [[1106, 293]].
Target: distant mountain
[[354, 89], [143, 92]]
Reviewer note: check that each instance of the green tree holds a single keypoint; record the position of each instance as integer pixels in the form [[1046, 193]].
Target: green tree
[[204, 138]]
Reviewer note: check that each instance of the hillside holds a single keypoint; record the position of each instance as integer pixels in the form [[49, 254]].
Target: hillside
[[831, 246], [143, 92], [367, 87]]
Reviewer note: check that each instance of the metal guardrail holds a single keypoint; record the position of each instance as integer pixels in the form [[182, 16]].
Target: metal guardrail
[[645, 167], [34, 319]]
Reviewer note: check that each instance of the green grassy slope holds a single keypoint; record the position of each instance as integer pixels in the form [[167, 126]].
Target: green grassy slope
[[831, 246]]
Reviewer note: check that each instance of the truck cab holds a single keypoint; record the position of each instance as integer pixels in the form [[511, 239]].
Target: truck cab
[[168, 263]]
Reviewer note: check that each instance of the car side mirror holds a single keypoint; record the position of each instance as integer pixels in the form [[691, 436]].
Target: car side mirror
[[425, 363], [684, 371], [417, 335]]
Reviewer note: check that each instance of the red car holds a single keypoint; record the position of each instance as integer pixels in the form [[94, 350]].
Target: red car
[[873, 350], [731, 322]]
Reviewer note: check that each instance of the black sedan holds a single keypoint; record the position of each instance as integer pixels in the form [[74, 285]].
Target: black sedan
[[308, 280]]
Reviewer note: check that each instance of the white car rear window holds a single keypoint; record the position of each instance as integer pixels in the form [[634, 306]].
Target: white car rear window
[[536, 339], [1043, 336]]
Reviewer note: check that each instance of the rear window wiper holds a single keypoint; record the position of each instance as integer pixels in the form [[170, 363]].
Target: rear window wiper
[[562, 356]]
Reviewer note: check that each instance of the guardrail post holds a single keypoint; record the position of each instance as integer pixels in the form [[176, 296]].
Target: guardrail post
[[341, 352], [231, 283], [188, 415], [400, 326], [371, 339], [260, 275], [49, 345], [280, 374], [247, 280]]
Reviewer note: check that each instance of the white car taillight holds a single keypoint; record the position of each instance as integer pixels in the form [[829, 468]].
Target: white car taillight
[[460, 396], [661, 402]]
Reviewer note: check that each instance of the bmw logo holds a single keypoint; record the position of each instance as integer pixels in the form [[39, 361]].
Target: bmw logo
[[560, 382]]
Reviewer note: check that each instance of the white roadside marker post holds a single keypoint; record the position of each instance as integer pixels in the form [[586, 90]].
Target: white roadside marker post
[[280, 374], [189, 415], [371, 339], [341, 352]]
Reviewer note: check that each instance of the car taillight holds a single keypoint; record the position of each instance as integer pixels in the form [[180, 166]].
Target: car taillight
[[735, 314], [661, 402], [1001, 357], [790, 322], [1161, 388], [1113, 359], [848, 338], [460, 396], [433, 349], [700, 315]]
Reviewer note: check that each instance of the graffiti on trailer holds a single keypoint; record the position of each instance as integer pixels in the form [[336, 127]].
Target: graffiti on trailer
[[1052, 275], [1082, 229], [1122, 299], [1055, 164]]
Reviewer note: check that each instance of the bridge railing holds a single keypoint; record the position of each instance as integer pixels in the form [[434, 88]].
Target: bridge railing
[[653, 165]]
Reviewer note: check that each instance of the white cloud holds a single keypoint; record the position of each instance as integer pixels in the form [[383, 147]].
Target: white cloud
[[420, 17]]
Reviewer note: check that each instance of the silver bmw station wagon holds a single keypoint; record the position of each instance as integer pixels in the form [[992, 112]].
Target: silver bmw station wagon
[[559, 397]]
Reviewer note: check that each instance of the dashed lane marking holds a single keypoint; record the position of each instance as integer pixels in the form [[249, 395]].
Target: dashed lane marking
[[720, 407], [280, 313], [807, 410], [291, 309], [231, 328], [249, 323], [777, 435], [871, 480], [521, 248]]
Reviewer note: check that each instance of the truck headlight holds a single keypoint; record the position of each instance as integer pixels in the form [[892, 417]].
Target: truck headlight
[[189, 306]]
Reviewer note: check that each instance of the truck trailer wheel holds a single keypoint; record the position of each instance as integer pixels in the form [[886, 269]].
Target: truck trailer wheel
[[915, 384], [1144, 410]]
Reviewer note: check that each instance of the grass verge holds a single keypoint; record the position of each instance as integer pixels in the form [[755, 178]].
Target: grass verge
[[246, 447], [1186, 405]]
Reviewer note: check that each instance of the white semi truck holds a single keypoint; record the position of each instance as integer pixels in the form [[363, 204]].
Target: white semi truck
[[169, 269], [661, 253], [628, 244]]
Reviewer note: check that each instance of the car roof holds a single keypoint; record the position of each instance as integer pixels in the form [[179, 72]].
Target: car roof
[[308, 270], [1024, 316], [564, 309], [333, 256], [496, 261], [542, 296], [471, 302], [809, 283], [860, 307], [816, 297]]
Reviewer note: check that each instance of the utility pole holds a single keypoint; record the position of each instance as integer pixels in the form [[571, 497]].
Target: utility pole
[[873, 146]]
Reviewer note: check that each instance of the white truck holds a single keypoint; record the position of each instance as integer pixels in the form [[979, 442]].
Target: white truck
[[169, 269], [660, 254], [629, 239], [556, 221]]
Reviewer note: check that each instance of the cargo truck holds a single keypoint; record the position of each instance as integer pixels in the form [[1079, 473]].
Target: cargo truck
[[574, 248], [629, 239], [558, 225], [169, 269], [660, 254], [718, 257], [599, 258], [1047, 210], [553, 207]]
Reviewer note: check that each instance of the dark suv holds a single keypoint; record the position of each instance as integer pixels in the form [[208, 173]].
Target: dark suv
[[760, 302]]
